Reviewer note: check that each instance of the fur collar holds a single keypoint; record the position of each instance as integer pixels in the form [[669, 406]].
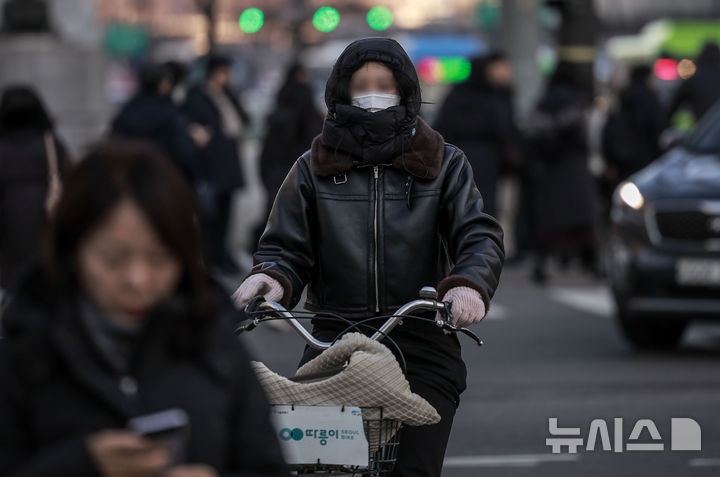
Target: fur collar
[[424, 160]]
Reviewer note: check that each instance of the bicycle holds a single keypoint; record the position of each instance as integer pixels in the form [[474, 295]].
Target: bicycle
[[380, 432]]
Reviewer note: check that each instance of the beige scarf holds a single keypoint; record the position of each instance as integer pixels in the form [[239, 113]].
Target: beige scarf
[[230, 118]]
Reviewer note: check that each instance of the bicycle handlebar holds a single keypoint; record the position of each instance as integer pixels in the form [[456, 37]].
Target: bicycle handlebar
[[428, 301]]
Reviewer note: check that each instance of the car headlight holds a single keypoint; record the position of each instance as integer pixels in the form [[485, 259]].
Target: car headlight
[[631, 195], [628, 203]]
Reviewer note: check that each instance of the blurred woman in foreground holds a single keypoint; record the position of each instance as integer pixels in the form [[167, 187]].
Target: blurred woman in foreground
[[121, 321]]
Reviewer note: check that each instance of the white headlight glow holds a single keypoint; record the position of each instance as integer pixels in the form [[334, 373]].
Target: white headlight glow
[[631, 195]]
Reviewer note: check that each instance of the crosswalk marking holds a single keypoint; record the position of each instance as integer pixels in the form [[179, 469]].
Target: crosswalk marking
[[509, 460], [497, 312], [704, 462], [596, 300]]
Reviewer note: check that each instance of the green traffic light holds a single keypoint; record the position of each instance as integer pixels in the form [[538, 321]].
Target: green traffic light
[[326, 19], [455, 69], [251, 20], [380, 18]]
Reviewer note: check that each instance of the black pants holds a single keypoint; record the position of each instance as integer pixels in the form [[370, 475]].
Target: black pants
[[436, 372], [422, 448]]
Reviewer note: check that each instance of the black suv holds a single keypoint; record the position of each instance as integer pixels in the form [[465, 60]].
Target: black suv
[[664, 248]]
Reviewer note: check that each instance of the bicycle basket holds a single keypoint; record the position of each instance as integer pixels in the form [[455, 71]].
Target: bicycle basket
[[384, 434], [383, 439]]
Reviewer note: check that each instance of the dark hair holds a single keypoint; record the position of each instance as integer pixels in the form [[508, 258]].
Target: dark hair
[[479, 66], [152, 75], [293, 71], [292, 90], [115, 170], [495, 56], [178, 71], [22, 109], [566, 74], [710, 54], [217, 62], [640, 73]]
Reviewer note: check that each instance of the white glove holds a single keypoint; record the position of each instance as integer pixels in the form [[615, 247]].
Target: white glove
[[256, 285], [468, 306]]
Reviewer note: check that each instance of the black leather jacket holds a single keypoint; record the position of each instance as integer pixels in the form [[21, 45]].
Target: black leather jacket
[[366, 239]]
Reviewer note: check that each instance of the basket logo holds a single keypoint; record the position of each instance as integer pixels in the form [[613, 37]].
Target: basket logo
[[287, 434]]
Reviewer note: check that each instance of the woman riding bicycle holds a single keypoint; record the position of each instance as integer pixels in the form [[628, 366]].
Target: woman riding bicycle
[[378, 208]]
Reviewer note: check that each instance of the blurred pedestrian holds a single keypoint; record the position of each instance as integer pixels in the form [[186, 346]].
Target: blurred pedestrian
[[31, 154], [121, 321], [702, 90], [564, 202], [179, 73], [152, 115], [291, 128], [632, 133], [215, 107], [477, 117]]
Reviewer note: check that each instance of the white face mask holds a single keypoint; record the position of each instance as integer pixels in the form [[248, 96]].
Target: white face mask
[[374, 102]]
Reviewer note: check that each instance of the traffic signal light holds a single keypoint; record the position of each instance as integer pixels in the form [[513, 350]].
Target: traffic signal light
[[251, 20], [380, 18], [326, 19]]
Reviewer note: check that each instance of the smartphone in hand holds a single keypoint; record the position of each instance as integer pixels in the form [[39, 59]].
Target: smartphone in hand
[[170, 428]]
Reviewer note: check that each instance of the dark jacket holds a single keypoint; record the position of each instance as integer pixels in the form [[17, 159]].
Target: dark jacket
[[220, 160], [702, 90], [56, 390], [631, 135], [23, 187], [478, 119], [291, 128], [367, 239], [563, 188], [157, 119]]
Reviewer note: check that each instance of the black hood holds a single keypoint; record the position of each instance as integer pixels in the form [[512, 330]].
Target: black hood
[[383, 50], [371, 138], [478, 75]]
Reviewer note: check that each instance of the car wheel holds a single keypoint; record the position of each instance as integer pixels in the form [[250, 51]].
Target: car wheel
[[648, 333]]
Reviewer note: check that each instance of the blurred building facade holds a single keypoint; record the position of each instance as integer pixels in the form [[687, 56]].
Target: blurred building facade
[[66, 66], [81, 78], [184, 17], [634, 13]]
